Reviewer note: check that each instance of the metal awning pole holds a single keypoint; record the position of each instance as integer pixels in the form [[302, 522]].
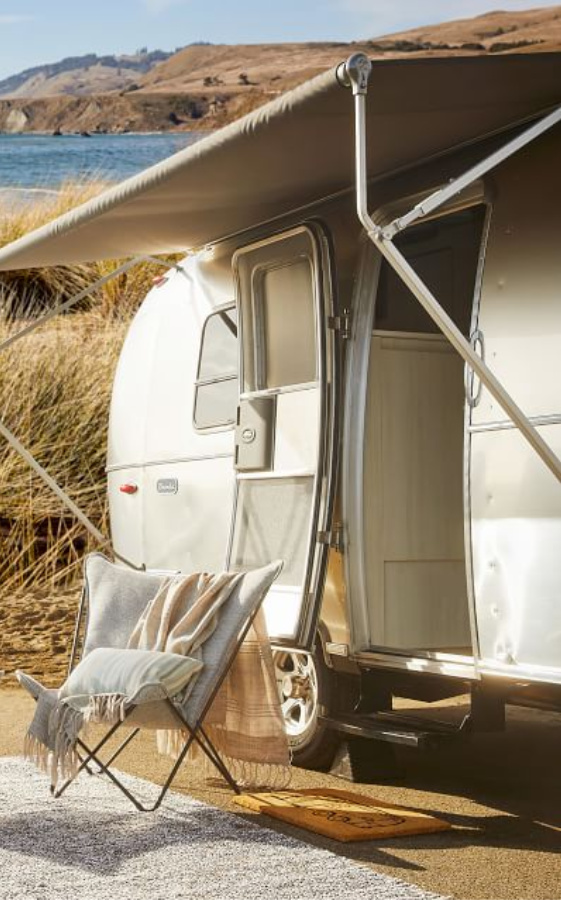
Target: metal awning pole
[[52, 484], [18, 446], [72, 301], [355, 73]]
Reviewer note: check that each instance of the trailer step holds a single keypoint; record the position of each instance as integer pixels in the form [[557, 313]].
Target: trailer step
[[394, 729]]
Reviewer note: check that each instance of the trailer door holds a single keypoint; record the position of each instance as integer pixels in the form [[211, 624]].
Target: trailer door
[[285, 424]]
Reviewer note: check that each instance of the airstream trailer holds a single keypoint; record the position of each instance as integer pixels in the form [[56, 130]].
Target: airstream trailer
[[357, 368]]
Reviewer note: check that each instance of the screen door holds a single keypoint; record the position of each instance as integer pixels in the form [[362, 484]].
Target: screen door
[[284, 433]]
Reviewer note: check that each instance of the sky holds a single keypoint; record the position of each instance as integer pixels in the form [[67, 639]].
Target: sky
[[33, 32]]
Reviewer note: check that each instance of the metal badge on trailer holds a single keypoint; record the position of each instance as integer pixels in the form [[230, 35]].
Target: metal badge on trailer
[[167, 485]]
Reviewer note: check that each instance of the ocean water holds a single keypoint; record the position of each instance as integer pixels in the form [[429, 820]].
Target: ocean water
[[30, 163]]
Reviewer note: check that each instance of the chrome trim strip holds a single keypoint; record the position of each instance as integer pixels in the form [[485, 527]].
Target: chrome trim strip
[[120, 467], [354, 413], [468, 413], [271, 474], [283, 389], [545, 674], [507, 425]]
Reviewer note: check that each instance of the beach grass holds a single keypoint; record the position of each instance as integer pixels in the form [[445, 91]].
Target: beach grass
[[55, 387], [27, 293]]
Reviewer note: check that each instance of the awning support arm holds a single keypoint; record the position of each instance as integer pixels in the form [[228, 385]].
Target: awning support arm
[[52, 484], [440, 197], [72, 301], [18, 446], [355, 73]]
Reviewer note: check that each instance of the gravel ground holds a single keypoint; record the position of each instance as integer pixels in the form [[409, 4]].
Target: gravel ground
[[501, 793]]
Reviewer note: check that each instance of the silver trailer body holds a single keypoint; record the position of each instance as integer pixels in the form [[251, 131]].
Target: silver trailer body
[[451, 523], [281, 392]]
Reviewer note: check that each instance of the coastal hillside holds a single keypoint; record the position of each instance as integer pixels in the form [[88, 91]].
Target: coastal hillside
[[205, 86], [88, 74], [497, 32]]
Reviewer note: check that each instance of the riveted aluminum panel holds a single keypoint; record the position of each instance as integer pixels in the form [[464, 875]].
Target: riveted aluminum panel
[[520, 311], [187, 528], [516, 535]]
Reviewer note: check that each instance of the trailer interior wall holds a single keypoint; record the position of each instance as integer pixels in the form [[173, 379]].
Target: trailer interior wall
[[413, 461]]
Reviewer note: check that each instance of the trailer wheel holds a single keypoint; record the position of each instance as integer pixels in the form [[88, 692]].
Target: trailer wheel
[[305, 683]]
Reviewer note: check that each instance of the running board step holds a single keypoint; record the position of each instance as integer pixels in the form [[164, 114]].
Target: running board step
[[408, 731]]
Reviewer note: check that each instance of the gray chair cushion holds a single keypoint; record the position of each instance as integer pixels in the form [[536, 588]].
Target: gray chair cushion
[[116, 598], [140, 676]]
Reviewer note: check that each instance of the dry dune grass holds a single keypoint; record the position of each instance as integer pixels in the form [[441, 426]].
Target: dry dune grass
[[30, 292], [55, 387]]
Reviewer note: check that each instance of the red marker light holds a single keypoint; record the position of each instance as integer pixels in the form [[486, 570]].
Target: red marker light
[[128, 488], [159, 280]]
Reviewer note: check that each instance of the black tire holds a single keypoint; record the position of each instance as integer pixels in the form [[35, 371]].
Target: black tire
[[312, 744]]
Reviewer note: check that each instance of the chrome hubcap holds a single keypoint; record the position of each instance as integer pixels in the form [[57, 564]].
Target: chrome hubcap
[[297, 683]]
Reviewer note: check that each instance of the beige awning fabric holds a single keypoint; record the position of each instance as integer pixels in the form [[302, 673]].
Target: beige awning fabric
[[293, 151]]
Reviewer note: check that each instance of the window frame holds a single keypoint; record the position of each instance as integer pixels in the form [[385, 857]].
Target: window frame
[[215, 379]]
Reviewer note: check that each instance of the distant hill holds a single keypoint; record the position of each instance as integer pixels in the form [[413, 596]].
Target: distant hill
[[206, 86], [82, 74], [274, 67], [497, 32]]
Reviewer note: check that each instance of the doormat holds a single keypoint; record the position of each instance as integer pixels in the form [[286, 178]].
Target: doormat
[[342, 815]]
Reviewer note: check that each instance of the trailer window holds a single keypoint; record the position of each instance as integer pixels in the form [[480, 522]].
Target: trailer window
[[216, 389]]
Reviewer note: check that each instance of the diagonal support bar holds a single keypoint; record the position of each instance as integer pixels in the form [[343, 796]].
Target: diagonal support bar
[[439, 198], [81, 295], [382, 239], [13, 440], [450, 330], [52, 484]]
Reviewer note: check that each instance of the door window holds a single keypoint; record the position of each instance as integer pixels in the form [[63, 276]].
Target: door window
[[283, 299]]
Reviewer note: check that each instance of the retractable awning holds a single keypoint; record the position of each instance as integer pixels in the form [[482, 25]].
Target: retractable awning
[[295, 150]]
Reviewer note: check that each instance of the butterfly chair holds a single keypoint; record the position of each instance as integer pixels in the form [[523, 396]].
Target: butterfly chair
[[113, 599]]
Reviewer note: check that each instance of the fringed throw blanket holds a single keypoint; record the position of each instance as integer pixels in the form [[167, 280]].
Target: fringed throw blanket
[[245, 721]]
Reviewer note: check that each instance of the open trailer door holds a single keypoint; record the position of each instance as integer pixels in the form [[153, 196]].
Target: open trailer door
[[285, 426]]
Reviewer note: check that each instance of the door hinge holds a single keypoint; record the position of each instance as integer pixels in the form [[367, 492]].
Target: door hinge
[[341, 323], [334, 538]]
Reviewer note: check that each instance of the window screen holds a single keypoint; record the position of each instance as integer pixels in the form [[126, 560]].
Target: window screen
[[273, 520], [216, 391]]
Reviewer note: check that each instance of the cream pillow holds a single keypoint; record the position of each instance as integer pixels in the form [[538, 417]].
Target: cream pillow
[[139, 676]]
